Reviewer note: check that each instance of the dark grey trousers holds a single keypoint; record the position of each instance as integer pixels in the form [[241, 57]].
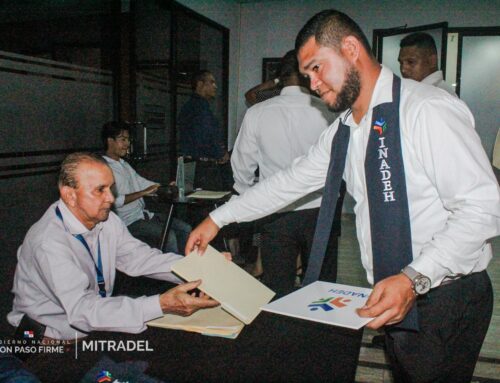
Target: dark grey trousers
[[453, 322]]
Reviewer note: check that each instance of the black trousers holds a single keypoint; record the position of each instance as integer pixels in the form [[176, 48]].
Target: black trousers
[[284, 237], [453, 322]]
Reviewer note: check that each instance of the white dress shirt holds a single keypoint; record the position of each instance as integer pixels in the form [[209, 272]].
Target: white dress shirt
[[274, 133], [453, 196], [436, 79], [55, 281], [127, 181]]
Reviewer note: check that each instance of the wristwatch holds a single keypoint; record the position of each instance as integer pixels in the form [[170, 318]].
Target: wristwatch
[[420, 283]]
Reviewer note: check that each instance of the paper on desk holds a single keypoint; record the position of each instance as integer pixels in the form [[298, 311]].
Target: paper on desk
[[325, 302], [212, 321], [238, 292], [208, 194]]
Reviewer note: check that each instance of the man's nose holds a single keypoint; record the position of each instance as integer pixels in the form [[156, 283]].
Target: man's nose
[[404, 70], [110, 196], [315, 82]]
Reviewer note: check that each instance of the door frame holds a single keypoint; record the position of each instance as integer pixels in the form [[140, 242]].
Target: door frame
[[469, 31], [379, 34]]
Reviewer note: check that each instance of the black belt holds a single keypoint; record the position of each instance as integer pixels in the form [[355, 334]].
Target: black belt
[[461, 278]]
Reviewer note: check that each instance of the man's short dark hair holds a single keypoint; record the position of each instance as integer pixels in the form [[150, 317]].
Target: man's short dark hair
[[329, 28], [420, 40], [198, 76], [112, 129], [67, 173], [289, 65]]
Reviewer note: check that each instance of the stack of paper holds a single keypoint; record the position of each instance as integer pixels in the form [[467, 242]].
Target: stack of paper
[[325, 302], [241, 295]]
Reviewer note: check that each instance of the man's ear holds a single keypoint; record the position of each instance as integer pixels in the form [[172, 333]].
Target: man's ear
[[433, 61], [68, 195], [350, 48], [199, 86]]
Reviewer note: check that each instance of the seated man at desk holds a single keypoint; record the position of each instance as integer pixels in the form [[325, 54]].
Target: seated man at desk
[[130, 188], [66, 268]]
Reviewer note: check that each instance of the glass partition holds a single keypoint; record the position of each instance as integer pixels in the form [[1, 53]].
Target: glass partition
[[154, 129], [201, 45], [171, 43], [479, 84]]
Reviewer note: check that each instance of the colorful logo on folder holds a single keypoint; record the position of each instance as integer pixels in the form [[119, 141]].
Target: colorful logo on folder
[[28, 334], [104, 376], [380, 126], [328, 304]]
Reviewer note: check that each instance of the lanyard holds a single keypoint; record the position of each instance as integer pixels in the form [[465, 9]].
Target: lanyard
[[98, 267]]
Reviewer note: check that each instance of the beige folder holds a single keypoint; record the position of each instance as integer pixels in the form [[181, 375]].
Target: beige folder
[[213, 321], [238, 292]]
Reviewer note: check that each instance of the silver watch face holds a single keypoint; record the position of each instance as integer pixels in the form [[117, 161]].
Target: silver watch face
[[422, 284]]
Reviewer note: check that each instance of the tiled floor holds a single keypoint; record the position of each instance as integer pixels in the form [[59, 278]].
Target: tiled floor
[[373, 366]]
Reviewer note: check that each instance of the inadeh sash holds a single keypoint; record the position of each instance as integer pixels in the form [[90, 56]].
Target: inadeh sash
[[387, 198]]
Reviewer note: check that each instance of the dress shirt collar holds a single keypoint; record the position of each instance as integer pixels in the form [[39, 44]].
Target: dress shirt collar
[[72, 224], [433, 78], [109, 159], [382, 93], [294, 90]]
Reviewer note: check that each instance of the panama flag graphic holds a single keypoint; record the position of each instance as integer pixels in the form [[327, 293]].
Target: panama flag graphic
[[29, 334]]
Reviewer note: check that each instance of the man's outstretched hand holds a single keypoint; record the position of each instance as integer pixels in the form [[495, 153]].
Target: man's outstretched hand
[[201, 236]]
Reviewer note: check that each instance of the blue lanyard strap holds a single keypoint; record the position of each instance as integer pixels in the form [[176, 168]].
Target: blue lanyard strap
[[98, 267]]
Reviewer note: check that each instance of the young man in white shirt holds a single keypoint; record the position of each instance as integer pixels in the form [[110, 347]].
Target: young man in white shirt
[[452, 201], [131, 188]]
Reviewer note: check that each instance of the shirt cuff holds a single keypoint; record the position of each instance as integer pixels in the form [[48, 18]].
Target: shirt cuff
[[119, 200], [151, 308], [222, 216], [425, 265]]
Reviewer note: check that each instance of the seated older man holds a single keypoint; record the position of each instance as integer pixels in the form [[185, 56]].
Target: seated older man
[[65, 274]]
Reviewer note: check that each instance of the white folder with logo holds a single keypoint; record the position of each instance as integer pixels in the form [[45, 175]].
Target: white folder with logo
[[325, 302]]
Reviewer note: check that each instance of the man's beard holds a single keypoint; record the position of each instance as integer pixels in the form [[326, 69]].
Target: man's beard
[[348, 93]]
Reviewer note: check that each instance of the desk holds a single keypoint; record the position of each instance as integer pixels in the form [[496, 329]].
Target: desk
[[273, 348], [190, 202]]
